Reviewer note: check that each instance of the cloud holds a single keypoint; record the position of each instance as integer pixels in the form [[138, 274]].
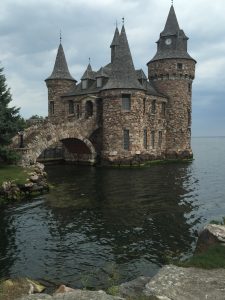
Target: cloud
[[29, 33]]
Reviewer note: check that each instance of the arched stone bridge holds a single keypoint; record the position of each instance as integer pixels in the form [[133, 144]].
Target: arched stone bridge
[[41, 136]]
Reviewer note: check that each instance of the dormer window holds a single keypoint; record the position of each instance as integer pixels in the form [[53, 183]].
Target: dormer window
[[84, 84], [99, 82]]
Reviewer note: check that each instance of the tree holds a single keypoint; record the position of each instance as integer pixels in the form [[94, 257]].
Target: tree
[[10, 120]]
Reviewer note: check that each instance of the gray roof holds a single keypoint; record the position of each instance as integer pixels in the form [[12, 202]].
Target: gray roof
[[172, 26], [88, 74], [140, 74], [115, 41], [60, 70], [172, 30], [102, 72], [123, 73]]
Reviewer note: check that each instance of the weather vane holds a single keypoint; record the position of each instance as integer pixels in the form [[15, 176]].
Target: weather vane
[[60, 36], [89, 59], [172, 2], [123, 20]]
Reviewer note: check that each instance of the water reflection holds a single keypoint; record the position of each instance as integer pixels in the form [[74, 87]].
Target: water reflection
[[97, 220]]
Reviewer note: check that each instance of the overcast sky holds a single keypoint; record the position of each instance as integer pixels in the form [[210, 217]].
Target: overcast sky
[[29, 35]]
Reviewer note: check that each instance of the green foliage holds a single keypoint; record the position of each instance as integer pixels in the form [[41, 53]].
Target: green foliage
[[212, 258], [13, 173], [10, 120], [216, 222]]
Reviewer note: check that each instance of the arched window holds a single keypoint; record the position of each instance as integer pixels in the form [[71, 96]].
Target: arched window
[[88, 109]]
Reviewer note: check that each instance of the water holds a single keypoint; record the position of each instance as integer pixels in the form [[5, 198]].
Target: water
[[100, 226]]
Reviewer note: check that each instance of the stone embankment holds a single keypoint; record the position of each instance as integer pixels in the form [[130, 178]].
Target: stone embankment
[[36, 183]]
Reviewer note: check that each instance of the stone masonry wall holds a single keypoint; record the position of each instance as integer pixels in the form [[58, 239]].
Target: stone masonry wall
[[140, 117], [175, 81], [56, 88]]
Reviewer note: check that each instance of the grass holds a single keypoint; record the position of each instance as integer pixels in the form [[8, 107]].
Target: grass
[[15, 173], [213, 258]]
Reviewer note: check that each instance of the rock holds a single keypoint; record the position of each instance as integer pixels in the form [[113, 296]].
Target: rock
[[18, 287], [63, 289], [211, 234], [29, 185], [133, 289], [178, 283], [34, 178], [75, 295]]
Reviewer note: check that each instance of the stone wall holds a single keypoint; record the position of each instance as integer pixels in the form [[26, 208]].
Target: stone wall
[[173, 78], [140, 117]]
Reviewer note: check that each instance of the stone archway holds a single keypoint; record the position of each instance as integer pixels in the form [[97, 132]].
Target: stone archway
[[51, 134]]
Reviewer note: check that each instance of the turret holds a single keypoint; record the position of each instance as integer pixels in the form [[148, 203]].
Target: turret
[[172, 71], [115, 43], [58, 83]]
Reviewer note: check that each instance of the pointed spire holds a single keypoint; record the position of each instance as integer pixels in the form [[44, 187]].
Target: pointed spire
[[123, 71], [60, 70], [88, 74], [115, 41], [172, 26]]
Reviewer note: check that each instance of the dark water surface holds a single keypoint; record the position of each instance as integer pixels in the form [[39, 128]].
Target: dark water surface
[[102, 225]]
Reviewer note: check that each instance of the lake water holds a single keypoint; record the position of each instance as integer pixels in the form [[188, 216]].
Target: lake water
[[99, 226]]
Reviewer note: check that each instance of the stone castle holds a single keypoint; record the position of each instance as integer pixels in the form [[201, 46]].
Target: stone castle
[[138, 118]]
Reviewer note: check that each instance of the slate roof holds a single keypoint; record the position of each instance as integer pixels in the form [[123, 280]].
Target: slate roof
[[172, 26], [172, 29], [123, 73], [115, 41], [88, 74], [60, 70]]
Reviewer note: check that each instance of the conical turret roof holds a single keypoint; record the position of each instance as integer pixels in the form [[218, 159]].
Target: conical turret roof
[[60, 70], [172, 26], [115, 41], [123, 74]]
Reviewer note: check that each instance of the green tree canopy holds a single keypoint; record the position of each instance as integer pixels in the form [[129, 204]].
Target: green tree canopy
[[10, 119]]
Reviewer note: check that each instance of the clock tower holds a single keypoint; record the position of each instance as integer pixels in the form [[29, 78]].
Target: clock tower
[[172, 71]]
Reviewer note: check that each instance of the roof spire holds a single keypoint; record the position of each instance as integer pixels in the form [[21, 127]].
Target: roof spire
[[61, 70], [123, 20], [171, 2], [172, 26]]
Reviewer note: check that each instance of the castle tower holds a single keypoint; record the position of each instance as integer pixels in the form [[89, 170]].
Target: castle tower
[[115, 43], [172, 71], [59, 83]]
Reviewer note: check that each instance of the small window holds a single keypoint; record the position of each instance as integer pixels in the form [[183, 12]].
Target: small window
[[126, 139], [163, 109], [52, 108], [99, 82], [153, 139], [153, 108], [126, 102], [145, 139], [160, 139], [84, 84], [78, 111], [189, 87], [71, 107], [88, 109], [179, 66], [144, 105], [189, 118]]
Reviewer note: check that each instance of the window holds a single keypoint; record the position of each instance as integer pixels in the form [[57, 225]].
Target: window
[[160, 139], [179, 66], [189, 118], [126, 139], [71, 107], [189, 87], [153, 108], [153, 139], [163, 109], [88, 109], [84, 84], [99, 82], [145, 139], [78, 111], [144, 105], [126, 102], [52, 108]]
